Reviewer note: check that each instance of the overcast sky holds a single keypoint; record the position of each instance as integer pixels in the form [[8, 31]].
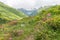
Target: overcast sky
[[28, 4]]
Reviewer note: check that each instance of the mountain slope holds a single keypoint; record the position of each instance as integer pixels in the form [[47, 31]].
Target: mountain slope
[[9, 13], [44, 26]]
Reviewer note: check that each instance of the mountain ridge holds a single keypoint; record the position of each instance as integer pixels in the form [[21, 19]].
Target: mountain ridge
[[32, 12], [10, 13]]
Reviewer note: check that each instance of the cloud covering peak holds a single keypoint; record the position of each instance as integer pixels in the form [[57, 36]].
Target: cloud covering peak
[[29, 4]]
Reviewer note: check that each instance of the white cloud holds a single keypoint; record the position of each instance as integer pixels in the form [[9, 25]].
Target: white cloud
[[47, 2], [28, 4]]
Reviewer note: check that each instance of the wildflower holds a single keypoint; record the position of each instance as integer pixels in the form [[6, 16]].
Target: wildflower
[[49, 14], [6, 29], [7, 35], [22, 25], [44, 22], [10, 38], [20, 32], [44, 19]]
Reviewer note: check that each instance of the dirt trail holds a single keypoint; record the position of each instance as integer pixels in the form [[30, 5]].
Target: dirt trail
[[36, 29], [30, 37]]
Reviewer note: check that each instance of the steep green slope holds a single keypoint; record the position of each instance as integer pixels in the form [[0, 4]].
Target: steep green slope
[[44, 26], [9, 13], [49, 23]]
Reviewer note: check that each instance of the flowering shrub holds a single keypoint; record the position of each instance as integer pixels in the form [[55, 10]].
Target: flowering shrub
[[54, 23], [44, 26], [51, 20]]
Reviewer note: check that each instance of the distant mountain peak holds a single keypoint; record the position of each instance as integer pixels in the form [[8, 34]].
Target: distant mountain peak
[[31, 12]]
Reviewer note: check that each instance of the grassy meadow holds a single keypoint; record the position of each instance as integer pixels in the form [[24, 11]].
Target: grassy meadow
[[15, 25]]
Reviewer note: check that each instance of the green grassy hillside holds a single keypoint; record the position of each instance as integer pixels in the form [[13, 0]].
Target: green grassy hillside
[[44, 26], [9, 13]]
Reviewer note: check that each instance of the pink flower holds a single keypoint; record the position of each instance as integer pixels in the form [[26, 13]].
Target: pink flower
[[10, 38], [49, 14]]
